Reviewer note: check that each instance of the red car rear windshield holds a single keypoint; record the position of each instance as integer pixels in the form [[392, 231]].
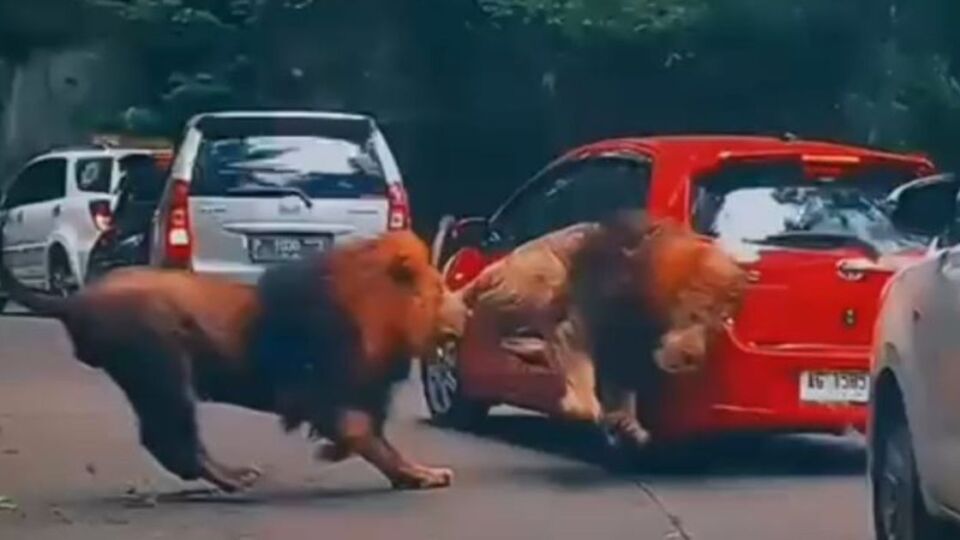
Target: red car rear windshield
[[781, 203]]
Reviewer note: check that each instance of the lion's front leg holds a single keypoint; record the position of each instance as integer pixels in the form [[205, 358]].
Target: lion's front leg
[[620, 421], [357, 434]]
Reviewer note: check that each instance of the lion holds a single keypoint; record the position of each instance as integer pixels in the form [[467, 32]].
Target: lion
[[317, 342], [649, 289], [614, 305]]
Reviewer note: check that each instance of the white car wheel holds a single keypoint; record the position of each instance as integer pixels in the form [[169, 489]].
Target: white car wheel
[[898, 506]]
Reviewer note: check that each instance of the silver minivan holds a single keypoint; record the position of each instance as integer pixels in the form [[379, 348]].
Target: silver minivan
[[252, 189]]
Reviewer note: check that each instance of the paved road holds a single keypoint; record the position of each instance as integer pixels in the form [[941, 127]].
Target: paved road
[[68, 457]]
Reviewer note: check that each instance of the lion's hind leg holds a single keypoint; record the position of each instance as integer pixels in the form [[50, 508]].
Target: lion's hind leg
[[157, 382]]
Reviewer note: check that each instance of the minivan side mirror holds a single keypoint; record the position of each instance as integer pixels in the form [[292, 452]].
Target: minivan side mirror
[[926, 206]]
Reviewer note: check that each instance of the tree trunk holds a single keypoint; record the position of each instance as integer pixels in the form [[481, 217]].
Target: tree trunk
[[9, 120]]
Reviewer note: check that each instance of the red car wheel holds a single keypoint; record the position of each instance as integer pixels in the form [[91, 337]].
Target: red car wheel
[[443, 393]]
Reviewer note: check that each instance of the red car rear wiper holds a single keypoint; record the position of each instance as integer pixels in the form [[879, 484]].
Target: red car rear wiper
[[819, 240], [267, 190]]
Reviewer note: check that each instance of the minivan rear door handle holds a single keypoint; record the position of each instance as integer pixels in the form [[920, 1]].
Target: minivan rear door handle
[[56, 210], [212, 208]]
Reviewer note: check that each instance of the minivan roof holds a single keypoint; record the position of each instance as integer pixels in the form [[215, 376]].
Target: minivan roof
[[319, 115], [352, 127]]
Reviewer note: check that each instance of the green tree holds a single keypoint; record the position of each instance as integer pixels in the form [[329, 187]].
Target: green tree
[[620, 18]]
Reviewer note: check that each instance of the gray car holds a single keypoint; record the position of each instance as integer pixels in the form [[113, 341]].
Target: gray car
[[251, 189], [914, 432]]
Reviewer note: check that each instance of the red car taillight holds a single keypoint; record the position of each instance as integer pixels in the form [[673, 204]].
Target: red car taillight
[[177, 238], [101, 214], [398, 209]]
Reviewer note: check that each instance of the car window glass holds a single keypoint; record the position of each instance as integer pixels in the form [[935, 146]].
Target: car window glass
[[579, 192], [321, 167], [526, 217], [23, 188], [141, 178], [951, 239], [50, 180], [39, 182], [778, 201], [94, 174], [600, 188], [14, 192]]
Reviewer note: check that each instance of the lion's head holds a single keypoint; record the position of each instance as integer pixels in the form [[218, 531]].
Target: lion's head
[[676, 281], [399, 299]]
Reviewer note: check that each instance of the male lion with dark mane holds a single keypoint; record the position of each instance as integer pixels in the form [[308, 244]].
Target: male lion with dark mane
[[319, 342]]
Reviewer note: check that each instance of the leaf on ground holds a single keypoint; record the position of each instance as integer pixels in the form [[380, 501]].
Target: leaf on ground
[[8, 504], [61, 515]]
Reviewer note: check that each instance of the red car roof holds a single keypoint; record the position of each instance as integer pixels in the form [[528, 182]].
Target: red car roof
[[714, 147]]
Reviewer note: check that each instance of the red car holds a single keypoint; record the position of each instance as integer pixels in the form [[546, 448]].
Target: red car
[[809, 222]]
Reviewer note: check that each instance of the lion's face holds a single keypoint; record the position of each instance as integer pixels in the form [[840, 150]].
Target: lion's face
[[436, 314], [682, 350], [691, 286], [453, 315], [430, 312], [699, 313]]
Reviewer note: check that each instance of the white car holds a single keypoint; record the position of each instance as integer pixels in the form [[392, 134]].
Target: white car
[[252, 189], [914, 432], [55, 208]]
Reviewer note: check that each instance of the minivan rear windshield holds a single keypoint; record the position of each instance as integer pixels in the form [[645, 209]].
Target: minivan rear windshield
[[276, 165]]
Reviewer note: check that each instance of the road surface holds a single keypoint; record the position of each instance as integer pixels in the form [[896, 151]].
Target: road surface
[[71, 468]]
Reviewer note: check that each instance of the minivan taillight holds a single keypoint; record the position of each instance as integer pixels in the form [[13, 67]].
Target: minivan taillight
[[101, 214], [178, 242], [398, 209]]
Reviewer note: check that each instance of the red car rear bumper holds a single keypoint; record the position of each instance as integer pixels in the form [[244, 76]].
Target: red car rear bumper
[[747, 388]]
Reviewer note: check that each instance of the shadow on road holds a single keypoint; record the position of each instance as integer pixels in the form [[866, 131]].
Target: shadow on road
[[755, 455], [271, 495], [16, 312]]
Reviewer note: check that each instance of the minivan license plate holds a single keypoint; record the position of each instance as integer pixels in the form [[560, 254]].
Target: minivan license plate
[[835, 386], [285, 248]]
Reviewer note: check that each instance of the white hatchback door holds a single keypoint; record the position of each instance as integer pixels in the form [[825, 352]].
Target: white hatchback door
[[33, 206], [88, 209], [935, 375]]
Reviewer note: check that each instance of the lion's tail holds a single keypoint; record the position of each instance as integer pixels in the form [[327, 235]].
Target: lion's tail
[[40, 303]]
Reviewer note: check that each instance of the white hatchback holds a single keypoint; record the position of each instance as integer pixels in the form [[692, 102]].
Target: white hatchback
[[55, 208], [252, 189]]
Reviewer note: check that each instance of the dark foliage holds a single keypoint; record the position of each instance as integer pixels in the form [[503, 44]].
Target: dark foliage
[[475, 94]]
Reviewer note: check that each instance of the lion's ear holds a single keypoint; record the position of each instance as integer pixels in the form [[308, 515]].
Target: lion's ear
[[401, 270]]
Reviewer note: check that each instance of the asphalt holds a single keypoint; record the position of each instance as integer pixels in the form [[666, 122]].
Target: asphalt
[[70, 467]]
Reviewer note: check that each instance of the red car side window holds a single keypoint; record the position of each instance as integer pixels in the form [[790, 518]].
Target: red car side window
[[573, 192]]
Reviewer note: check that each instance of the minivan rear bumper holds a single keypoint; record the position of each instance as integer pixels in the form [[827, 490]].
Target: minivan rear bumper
[[757, 389], [241, 273]]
